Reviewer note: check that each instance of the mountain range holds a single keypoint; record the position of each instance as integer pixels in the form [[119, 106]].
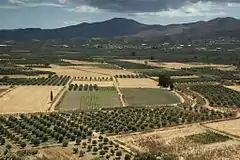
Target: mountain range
[[119, 27]]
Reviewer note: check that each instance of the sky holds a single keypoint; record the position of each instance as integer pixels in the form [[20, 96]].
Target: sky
[[59, 13]]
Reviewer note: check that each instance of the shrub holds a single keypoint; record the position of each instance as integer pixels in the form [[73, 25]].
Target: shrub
[[23, 144], [65, 143]]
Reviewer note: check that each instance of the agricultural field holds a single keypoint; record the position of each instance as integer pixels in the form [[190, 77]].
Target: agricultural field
[[177, 65], [218, 95], [99, 83], [184, 142], [149, 96], [49, 81], [137, 83], [235, 88], [28, 99], [83, 71], [89, 99], [231, 127]]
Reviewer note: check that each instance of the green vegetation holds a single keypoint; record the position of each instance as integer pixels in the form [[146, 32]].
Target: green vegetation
[[207, 138], [158, 72], [90, 100], [131, 76], [21, 71], [85, 87], [149, 96], [218, 95], [50, 81]]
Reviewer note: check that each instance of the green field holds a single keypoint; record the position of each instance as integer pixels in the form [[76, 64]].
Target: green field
[[149, 96], [89, 100]]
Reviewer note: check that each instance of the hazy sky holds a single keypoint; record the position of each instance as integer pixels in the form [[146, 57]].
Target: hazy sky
[[59, 13]]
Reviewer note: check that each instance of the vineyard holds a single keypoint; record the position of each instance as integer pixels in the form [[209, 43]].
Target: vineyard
[[50, 81], [33, 130], [218, 95]]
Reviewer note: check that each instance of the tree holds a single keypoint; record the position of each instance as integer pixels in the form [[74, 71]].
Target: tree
[[133, 54], [65, 143], [102, 152], [75, 150], [165, 81], [78, 141], [23, 144], [119, 153], [145, 156], [8, 146], [36, 142], [2, 141], [51, 96], [127, 157]]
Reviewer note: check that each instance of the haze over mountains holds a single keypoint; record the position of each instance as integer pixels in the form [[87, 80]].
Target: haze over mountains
[[119, 27]]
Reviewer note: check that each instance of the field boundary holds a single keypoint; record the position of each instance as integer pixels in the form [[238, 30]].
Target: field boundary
[[7, 91]]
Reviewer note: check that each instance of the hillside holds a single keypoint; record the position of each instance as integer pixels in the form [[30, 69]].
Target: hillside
[[118, 27]]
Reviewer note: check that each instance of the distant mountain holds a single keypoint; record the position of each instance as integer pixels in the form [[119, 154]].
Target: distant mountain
[[118, 27]]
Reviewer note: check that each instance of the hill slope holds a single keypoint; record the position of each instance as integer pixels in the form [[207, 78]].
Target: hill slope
[[126, 27]]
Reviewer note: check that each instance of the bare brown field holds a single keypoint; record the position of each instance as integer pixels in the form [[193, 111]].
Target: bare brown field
[[174, 142], [78, 62], [83, 71], [236, 88], [28, 99], [137, 83], [177, 65], [99, 83], [232, 126]]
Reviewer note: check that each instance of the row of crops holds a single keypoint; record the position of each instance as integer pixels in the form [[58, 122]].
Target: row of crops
[[21, 71], [159, 72], [93, 78], [194, 80], [131, 76], [218, 95], [50, 81], [83, 87], [56, 127], [227, 75]]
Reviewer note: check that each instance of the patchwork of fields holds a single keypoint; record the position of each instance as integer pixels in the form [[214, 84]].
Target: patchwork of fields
[[113, 110]]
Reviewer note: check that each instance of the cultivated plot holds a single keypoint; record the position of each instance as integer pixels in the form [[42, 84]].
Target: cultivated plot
[[232, 126], [137, 83], [185, 143], [149, 96], [177, 65], [28, 99], [89, 100]]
